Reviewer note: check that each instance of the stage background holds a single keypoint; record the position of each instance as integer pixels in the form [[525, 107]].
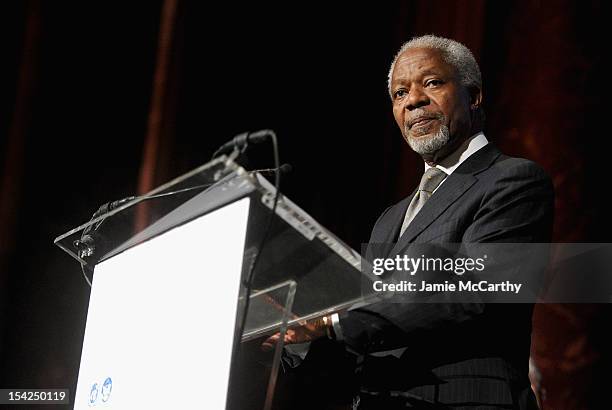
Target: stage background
[[103, 100]]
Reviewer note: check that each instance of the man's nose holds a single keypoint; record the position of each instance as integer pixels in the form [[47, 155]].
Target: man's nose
[[416, 98]]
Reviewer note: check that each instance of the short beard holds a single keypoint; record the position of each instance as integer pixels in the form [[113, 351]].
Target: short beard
[[429, 144]]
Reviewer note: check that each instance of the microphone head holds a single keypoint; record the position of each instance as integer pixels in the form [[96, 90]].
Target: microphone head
[[285, 168]]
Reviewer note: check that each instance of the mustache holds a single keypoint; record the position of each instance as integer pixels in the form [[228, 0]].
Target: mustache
[[420, 114]]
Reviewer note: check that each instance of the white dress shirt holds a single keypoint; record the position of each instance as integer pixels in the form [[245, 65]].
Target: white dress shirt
[[465, 150]]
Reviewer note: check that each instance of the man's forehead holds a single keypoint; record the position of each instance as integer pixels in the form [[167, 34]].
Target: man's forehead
[[423, 60]]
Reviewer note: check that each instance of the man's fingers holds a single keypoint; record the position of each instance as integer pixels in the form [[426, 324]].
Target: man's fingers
[[270, 342], [273, 340]]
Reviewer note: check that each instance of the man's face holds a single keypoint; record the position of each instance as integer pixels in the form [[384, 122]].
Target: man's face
[[430, 106]]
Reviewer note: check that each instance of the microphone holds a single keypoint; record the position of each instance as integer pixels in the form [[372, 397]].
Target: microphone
[[86, 245], [109, 206], [283, 169], [240, 141]]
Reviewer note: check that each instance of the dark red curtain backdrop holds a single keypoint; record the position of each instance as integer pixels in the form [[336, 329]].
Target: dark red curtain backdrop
[[102, 101]]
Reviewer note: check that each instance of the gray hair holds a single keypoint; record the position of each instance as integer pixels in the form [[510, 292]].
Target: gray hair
[[452, 52]]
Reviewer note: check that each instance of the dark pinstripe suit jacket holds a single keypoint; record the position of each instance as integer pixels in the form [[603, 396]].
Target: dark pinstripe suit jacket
[[458, 354]]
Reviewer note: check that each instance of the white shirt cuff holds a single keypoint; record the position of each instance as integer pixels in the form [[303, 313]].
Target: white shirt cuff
[[335, 319]]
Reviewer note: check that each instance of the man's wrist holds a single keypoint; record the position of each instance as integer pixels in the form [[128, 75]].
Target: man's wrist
[[328, 325], [323, 326]]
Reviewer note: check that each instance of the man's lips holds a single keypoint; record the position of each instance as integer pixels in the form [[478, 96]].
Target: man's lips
[[420, 121]]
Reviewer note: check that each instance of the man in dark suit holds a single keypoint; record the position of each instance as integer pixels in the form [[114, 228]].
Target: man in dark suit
[[447, 355]]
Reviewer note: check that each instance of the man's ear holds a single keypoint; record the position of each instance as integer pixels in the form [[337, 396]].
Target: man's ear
[[475, 97], [478, 114]]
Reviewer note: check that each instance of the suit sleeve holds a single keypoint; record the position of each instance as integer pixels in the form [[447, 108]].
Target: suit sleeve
[[517, 206]]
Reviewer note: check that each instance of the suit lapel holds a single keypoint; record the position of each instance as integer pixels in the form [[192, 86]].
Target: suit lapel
[[397, 219], [451, 190]]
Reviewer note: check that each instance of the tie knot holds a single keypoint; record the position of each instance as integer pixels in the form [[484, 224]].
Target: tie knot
[[431, 179]]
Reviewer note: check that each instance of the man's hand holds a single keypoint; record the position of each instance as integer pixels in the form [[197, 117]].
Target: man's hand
[[306, 331]]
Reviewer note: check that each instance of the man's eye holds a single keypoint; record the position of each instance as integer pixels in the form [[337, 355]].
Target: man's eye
[[399, 94], [433, 83]]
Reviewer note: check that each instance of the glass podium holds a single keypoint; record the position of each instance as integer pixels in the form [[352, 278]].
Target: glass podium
[[164, 324]]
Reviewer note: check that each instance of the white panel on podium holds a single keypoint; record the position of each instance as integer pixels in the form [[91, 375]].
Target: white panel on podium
[[152, 340]]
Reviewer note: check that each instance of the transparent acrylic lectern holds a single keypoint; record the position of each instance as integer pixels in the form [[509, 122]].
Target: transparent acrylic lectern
[[168, 293]]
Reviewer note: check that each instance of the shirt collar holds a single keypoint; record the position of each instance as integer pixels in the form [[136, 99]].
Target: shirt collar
[[465, 150]]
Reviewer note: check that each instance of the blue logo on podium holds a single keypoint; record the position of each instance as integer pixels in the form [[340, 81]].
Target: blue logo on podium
[[107, 388], [93, 394]]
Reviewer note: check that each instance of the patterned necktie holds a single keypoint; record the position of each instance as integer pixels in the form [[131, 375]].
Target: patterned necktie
[[429, 182]]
